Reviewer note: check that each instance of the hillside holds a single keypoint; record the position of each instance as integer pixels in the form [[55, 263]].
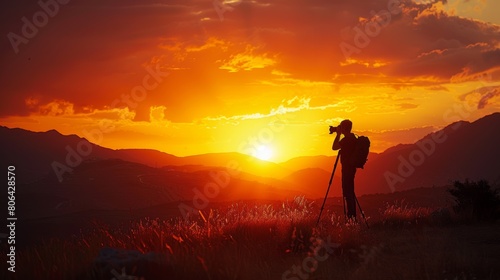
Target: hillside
[[39, 154], [115, 184], [460, 151], [315, 181], [324, 162]]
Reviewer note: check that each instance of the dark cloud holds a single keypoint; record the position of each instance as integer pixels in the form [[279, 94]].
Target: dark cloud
[[489, 95], [92, 52], [486, 95]]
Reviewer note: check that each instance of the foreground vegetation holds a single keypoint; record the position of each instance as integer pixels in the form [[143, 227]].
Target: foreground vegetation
[[279, 241]]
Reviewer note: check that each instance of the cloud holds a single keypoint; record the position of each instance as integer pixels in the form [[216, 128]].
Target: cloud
[[66, 109], [288, 81], [425, 41], [157, 115], [488, 97], [438, 88], [367, 64], [56, 108], [210, 42], [483, 96], [247, 61], [287, 106], [271, 44]]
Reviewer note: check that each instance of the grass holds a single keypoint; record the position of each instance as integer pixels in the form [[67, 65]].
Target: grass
[[269, 241], [401, 213]]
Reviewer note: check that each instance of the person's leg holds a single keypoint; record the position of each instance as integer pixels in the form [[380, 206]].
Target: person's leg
[[348, 190]]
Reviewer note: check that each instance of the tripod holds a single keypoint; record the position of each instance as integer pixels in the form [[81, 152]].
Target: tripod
[[343, 197], [360, 210]]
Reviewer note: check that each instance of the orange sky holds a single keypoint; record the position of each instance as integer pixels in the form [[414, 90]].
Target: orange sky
[[185, 78]]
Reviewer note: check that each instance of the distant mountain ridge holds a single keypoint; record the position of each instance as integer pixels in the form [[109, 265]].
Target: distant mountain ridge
[[462, 150], [36, 152]]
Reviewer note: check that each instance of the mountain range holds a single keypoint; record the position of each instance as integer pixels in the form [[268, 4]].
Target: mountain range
[[66, 173]]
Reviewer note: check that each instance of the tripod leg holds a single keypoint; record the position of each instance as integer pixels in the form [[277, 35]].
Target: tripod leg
[[361, 210], [327, 190], [345, 213]]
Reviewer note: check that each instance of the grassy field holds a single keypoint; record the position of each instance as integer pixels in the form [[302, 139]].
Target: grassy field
[[279, 240]]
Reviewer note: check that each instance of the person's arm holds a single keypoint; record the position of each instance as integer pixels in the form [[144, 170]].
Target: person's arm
[[336, 142]]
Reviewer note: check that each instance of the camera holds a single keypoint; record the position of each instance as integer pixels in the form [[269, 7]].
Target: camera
[[334, 129]]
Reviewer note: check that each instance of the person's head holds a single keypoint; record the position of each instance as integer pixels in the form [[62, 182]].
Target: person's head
[[345, 126]]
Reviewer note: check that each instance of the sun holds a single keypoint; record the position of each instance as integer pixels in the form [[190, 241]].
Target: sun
[[263, 152]]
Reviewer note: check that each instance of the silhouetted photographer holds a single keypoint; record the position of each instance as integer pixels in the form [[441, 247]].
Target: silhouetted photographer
[[347, 146], [353, 153]]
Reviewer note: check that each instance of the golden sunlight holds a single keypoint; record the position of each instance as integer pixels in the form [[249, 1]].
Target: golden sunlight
[[263, 152]]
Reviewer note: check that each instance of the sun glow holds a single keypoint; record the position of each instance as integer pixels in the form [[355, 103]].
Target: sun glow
[[263, 152]]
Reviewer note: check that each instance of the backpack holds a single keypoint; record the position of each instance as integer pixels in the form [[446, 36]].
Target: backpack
[[361, 150]]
